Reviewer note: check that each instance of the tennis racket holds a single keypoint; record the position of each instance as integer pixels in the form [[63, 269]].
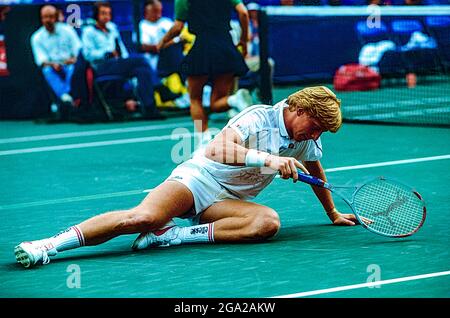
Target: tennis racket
[[383, 206]]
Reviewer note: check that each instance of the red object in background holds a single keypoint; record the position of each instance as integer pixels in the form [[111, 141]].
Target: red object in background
[[3, 61], [356, 77]]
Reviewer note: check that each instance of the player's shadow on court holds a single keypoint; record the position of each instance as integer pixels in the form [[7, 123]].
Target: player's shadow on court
[[329, 234], [305, 232]]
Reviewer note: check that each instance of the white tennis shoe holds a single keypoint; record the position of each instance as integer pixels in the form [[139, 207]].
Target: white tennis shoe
[[164, 237], [240, 100], [244, 99], [32, 253]]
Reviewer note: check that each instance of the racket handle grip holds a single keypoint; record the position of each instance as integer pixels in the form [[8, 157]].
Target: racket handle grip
[[311, 180]]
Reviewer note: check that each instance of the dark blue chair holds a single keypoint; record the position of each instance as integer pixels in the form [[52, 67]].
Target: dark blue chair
[[392, 63], [439, 28], [419, 60], [111, 91]]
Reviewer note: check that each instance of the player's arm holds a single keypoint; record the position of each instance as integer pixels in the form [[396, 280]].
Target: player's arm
[[174, 31], [181, 15], [325, 198], [228, 148], [244, 20], [150, 48]]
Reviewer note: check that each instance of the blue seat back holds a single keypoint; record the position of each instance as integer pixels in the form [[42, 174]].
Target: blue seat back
[[402, 30], [406, 26], [368, 34], [438, 21]]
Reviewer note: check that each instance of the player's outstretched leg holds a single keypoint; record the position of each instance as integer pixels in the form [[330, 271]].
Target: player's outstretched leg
[[168, 200]]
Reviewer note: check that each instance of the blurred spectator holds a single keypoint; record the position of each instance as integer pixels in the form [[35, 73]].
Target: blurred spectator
[[380, 2], [104, 49], [213, 58], [55, 47], [314, 2], [334, 2], [4, 11], [152, 29], [413, 2], [252, 59], [3, 60]]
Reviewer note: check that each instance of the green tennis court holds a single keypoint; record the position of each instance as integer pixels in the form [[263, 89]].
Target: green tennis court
[[54, 176]]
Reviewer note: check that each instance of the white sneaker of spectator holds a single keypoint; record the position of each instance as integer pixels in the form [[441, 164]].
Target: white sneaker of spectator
[[240, 100], [66, 98], [183, 101]]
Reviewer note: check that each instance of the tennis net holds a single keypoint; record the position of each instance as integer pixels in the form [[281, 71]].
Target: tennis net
[[408, 46]]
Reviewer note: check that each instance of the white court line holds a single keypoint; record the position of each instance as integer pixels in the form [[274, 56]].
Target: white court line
[[92, 133], [356, 286], [388, 163], [70, 199], [95, 144], [135, 192]]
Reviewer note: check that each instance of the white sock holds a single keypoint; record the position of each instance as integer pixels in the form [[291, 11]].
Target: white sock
[[203, 233], [68, 239]]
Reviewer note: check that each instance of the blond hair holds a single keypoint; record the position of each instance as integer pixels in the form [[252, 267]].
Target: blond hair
[[319, 102]]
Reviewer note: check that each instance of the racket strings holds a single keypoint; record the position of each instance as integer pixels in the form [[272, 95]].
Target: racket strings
[[393, 209]]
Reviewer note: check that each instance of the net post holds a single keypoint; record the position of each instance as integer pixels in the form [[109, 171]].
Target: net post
[[136, 18], [264, 67]]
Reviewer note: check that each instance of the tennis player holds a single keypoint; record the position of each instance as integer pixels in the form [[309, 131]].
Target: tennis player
[[213, 188]]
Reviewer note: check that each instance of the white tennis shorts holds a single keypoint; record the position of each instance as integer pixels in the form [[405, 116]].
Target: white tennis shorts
[[204, 188]]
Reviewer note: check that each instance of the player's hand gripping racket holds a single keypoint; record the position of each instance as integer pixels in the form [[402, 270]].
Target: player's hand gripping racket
[[383, 206]]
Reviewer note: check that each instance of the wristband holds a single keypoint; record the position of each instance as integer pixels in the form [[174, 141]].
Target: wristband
[[255, 158]]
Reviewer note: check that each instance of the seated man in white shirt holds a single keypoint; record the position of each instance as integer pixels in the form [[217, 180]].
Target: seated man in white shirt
[[104, 49], [55, 47], [213, 188], [151, 30]]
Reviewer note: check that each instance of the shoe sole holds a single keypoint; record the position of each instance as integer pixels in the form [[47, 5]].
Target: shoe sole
[[23, 257]]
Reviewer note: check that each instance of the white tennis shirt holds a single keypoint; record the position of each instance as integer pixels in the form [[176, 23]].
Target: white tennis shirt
[[261, 127]]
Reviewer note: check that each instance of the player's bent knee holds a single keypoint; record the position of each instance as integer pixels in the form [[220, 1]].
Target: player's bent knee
[[142, 221], [265, 225]]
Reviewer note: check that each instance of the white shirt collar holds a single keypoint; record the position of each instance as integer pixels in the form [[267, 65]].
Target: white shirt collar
[[283, 131]]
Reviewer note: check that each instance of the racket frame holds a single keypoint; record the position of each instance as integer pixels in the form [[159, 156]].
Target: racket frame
[[320, 183]]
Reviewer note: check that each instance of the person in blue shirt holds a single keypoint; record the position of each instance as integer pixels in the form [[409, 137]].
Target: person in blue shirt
[[104, 50], [55, 47]]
